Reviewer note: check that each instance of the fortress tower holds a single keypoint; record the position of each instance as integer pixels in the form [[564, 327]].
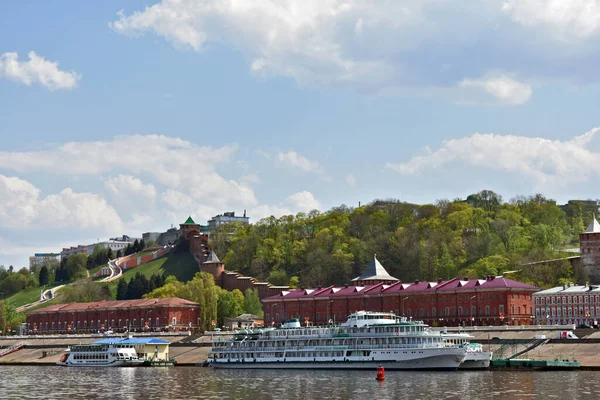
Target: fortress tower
[[213, 266]]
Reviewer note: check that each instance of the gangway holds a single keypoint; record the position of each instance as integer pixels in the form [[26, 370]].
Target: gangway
[[15, 347], [516, 349]]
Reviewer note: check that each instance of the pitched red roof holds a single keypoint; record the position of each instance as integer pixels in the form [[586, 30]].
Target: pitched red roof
[[456, 284]]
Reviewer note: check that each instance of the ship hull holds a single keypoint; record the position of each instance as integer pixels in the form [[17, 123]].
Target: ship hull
[[441, 359], [479, 360]]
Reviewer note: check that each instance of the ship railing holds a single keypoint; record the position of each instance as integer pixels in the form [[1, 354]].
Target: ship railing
[[341, 335], [328, 348]]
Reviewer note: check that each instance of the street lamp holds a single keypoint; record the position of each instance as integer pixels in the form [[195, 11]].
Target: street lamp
[[471, 308], [108, 326], [330, 311], [148, 319], [406, 298], [273, 311]]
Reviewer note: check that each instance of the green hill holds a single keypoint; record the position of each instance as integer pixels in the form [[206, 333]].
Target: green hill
[[181, 265]]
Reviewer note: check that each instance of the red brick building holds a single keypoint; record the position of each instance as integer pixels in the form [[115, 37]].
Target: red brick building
[[169, 313], [493, 300]]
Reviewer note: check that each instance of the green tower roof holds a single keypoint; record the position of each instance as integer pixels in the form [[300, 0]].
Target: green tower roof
[[189, 221]]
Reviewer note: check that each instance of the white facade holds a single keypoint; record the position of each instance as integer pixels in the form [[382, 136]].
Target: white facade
[[41, 259], [115, 244], [227, 218], [570, 304]]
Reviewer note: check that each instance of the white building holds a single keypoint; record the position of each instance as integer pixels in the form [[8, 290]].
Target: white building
[[115, 244], [227, 218], [568, 304], [41, 259]]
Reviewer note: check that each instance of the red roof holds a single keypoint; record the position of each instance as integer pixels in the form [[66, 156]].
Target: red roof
[[170, 301], [456, 284]]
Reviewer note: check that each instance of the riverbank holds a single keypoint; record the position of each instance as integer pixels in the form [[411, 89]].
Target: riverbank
[[47, 350]]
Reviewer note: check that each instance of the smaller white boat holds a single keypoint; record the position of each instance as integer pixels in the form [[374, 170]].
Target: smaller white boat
[[476, 357], [100, 355]]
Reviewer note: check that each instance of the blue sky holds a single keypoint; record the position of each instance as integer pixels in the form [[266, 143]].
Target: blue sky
[[120, 121]]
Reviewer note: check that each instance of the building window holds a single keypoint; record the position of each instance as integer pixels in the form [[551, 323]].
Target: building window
[[487, 310]]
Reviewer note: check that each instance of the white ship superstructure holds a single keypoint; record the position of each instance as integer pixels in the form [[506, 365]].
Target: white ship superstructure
[[100, 355], [365, 341], [476, 358]]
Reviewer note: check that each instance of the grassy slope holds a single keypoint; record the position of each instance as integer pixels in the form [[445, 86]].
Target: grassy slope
[[96, 269], [26, 296], [182, 265]]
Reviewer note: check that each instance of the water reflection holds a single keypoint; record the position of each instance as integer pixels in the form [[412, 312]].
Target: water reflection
[[206, 383]]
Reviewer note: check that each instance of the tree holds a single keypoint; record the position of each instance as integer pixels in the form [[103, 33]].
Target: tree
[[122, 289], [76, 267], [43, 277], [2, 318], [294, 283], [84, 291], [119, 253], [210, 299], [252, 304], [226, 305], [171, 288], [238, 296], [277, 277]]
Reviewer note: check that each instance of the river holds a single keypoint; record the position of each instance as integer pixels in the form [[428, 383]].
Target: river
[[49, 382]]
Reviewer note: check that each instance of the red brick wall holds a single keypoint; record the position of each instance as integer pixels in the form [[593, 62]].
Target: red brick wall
[[517, 307], [134, 317]]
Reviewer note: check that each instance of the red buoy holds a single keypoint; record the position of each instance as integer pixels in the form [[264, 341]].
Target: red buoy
[[380, 373]]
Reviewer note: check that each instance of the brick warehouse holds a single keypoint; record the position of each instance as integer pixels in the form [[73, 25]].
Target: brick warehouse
[[493, 300], [120, 315]]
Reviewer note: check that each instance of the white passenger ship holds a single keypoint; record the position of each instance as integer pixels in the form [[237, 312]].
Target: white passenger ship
[[101, 355], [365, 341], [476, 358]]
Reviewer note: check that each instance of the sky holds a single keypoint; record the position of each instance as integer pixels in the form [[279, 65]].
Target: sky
[[126, 120]]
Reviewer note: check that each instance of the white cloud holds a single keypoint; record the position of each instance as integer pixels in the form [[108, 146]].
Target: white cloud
[[350, 180], [36, 70], [574, 18], [250, 178], [320, 42], [22, 207], [295, 160], [131, 188], [18, 205], [543, 161], [169, 160], [303, 201], [504, 89], [183, 172]]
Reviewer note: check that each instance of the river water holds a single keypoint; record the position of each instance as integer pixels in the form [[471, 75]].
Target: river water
[[49, 382]]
